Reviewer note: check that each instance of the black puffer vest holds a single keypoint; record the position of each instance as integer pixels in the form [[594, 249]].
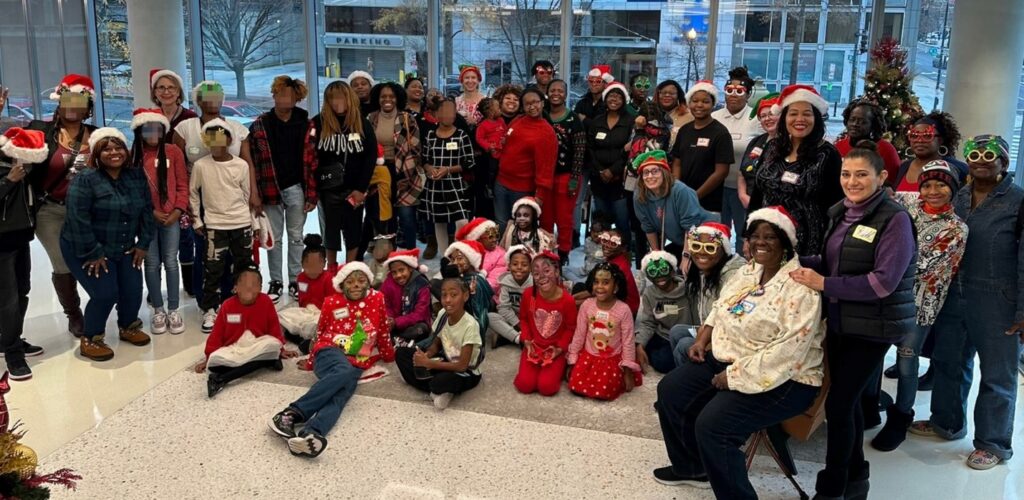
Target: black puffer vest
[[887, 319]]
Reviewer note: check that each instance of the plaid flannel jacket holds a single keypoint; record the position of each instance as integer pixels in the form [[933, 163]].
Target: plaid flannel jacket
[[266, 177]]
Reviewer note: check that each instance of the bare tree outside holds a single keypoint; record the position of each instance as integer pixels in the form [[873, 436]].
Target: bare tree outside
[[408, 18], [115, 55], [241, 33], [528, 27]]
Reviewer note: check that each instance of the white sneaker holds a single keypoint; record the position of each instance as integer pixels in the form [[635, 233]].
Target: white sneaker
[[175, 323], [159, 321], [441, 400], [209, 318]]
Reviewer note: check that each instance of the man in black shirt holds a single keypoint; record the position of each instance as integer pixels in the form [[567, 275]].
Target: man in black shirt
[[592, 104], [703, 149]]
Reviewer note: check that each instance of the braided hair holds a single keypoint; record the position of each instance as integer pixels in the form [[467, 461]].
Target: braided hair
[[161, 162]]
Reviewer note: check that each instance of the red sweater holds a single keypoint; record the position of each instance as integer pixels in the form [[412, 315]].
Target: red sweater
[[490, 134], [632, 294], [177, 178], [338, 322], [528, 159], [547, 323], [885, 149], [314, 291], [234, 318]]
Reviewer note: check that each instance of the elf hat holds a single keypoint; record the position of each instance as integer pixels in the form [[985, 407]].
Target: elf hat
[[106, 133], [27, 146], [469, 68], [143, 116], [703, 86], [720, 232], [614, 86], [514, 249], [602, 71], [204, 86], [939, 170], [655, 158], [349, 268], [657, 255], [777, 216], [360, 74], [768, 101], [410, 258], [802, 93], [156, 74], [473, 251], [74, 83], [475, 229], [529, 201]]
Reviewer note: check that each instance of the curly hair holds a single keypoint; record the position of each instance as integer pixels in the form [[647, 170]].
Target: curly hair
[[878, 123], [282, 82], [618, 277], [741, 75], [508, 88], [400, 95], [945, 128]]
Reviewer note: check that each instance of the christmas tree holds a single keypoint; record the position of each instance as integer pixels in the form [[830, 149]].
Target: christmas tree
[[888, 84]]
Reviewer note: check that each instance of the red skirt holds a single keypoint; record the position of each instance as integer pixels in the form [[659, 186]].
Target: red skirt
[[599, 378]]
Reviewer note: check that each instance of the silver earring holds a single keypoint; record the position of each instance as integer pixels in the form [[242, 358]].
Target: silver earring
[[943, 151]]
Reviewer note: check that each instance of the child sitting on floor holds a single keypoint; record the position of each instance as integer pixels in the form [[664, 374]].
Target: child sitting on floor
[[407, 296], [486, 233], [351, 337], [246, 335], [548, 321], [664, 304], [602, 352], [524, 227], [314, 285], [457, 339], [592, 253], [505, 322], [615, 254], [466, 257]]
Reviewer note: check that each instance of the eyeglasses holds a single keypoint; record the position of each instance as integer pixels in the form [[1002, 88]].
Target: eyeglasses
[[642, 85], [710, 248], [977, 156], [542, 71], [925, 135], [163, 89], [735, 90], [651, 172], [658, 268], [612, 239]]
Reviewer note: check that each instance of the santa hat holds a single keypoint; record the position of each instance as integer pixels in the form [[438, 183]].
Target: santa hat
[[778, 216], [703, 86], [720, 232], [659, 255], [614, 86], [360, 74], [939, 170], [156, 74], [143, 116], [380, 154], [105, 133], [514, 249], [216, 122], [469, 68], [528, 201], [210, 85], [410, 258], [27, 146], [602, 71], [475, 229], [473, 251], [74, 83], [349, 268], [655, 158], [801, 93], [548, 254], [767, 101]]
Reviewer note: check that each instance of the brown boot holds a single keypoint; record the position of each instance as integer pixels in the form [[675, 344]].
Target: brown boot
[[134, 334], [431, 251], [95, 348], [67, 294]]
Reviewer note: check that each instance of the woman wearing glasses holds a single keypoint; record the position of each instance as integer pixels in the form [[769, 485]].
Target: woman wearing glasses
[[984, 311], [666, 207], [934, 136]]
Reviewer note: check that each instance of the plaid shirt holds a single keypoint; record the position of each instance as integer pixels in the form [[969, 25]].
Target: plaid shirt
[[263, 162], [107, 217]]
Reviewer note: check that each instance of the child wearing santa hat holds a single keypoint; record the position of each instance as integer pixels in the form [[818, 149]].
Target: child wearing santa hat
[[407, 297], [548, 323], [486, 232], [465, 259], [314, 286], [524, 227]]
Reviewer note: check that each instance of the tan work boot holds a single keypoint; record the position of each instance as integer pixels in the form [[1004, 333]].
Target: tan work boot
[[134, 334], [95, 349]]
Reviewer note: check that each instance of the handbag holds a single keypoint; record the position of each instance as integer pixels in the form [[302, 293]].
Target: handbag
[[330, 176]]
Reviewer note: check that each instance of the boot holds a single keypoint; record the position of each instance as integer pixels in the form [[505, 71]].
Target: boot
[[431, 251], [186, 278], [927, 381], [563, 258], [895, 430], [95, 348], [134, 334], [67, 294]]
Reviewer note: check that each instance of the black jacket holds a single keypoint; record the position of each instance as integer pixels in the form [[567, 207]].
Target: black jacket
[[16, 217], [49, 128]]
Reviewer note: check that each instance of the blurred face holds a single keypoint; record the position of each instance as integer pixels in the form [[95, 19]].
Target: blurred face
[[604, 286], [313, 265], [510, 104], [74, 106], [453, 297], [217, 142], [362, 87], [113, 154], [285, 99], [799, 120], [523, 217], [339, 103], [446, 113], [470, 82], [765, 246], [614, 101], [248, 287], [653, 177], [545, 275], [388, 100], [859, 124], [400, 272], [152, 133], [859, 179], [595, 84], [769, 122], [556, 94], [544, 75], [459, 260], [493, 109], [736, 96], [924, 140], [355, 286], [489, 239], [167, 91], [668, 97], [701, 105], [519, 266], [415, 91], [706, 252], [935, 193], [210, 102], [532, 105]]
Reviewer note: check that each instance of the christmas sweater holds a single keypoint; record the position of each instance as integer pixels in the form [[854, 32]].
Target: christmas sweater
[[314, 291], [604, 334], [359, 328], [547, 324], [235, 318]]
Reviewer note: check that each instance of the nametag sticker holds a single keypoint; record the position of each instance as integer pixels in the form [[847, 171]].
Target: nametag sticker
[[602, 316], [303, 287], [670, 309], [600, 136], [790, 177], [756, 152], [193, 150], [451, 146], [353, 137], [341, 313], [865, 233], [703, 142], [736, 136], [312, 132], [234, 319]]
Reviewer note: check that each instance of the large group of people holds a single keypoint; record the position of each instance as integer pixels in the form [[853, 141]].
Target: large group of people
[[769, 254]]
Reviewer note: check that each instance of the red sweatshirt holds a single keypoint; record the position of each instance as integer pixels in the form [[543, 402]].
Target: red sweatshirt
[[314, 291], [177, 178], [632, 294], [547, 323], [528, 159], [234, 318], [490, 134], [338, 323]]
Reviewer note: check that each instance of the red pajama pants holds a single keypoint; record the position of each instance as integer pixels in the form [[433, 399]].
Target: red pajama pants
[[559, 209], [546, 380]]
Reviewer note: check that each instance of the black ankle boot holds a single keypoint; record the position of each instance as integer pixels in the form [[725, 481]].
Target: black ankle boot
[[895, 430], [927, 381]]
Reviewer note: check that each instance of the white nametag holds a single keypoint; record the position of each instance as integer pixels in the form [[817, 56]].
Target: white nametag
[[865, 233], [193, 150], [703, 142], [303, 287], [353, 137], [756, 152], [451, 146], [670, 309], [341, 313], [600, 136], [790, 177], [234, 319]]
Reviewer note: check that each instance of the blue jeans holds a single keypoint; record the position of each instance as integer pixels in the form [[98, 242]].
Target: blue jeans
[[734, 213], [681, 339], [504, 198], [407, 226], [704, 428], [618, 211], [290, 215], [120, 286], [973, 321], [336, 383], [163, 250], [908, 360]]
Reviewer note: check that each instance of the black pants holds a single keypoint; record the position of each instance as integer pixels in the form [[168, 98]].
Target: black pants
[[853, 361], [225, 374], [417, 331], [341, 221], [302, 343], [219, 243], [15, 282], [440, 382]]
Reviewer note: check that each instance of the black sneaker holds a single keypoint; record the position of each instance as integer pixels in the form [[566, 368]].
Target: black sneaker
[[924, 383], [213, 386], [307, 445], [278, 365], [284, 423], [30, 350], [18, 369], [892, 372], [293, 290], [275, 290], [665, 475]]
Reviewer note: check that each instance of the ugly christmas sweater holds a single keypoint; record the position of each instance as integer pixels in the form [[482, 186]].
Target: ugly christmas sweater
[[547, 323], [359, 328]]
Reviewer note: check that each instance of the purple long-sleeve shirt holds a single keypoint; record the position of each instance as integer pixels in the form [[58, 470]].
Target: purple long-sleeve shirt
[[393, 297]]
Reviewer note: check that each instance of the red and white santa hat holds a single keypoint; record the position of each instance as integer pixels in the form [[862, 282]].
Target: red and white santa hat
[[349, 268], [529, 201], [475, 229], [158, 73], [659, 255], [703, 86], [380, 154], [720, 232], [614, 86], [778, 216], [26, 146], [74, 83], [105, 133], [514, 249], [143, 116], [801, 93], [473, 251], [410, 258], [602, 71], [360, 74]]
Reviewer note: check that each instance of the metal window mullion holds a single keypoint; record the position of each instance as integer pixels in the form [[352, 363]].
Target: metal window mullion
[[33, 62], [196, 39], [312, 72], [94, 61]]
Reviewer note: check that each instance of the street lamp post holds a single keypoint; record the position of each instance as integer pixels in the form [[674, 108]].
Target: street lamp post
[[943, 58], [691, 40]]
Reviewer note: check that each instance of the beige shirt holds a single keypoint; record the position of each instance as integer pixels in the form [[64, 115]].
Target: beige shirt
[[777, 338], [221, 188]]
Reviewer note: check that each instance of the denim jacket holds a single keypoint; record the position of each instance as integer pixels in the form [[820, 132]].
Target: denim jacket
[[994, 258]]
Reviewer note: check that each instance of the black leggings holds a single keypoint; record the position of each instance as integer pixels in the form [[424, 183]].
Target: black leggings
[[440, 382], [341, 221]]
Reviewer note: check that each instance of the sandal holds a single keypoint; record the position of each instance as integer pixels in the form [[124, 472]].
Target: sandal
[[982, 460], [923, 428]]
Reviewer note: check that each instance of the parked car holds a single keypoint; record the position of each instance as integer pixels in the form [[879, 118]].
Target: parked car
[[241, 112]]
